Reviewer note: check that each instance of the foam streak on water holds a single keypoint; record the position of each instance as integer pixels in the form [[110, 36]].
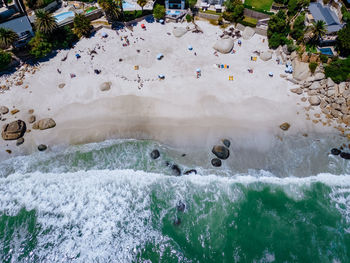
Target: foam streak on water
[[102, 216]]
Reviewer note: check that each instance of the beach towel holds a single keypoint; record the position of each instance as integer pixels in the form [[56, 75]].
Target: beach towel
[[255, 58], [230, 77]]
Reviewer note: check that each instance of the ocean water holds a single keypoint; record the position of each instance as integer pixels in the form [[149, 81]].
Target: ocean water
[[109, 202]]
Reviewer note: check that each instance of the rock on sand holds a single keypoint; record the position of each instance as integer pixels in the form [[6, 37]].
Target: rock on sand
[[14, 130], [221, 152], [224, 45], [4, 110], [179, 31], [301, 70], [106, 86], [265, 56], [314, 100], [44, 124], [248, 33]]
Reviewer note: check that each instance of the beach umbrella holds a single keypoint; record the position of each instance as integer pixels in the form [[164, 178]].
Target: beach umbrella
[[159, 56], [143, 26], [190, 47], [161, 21], [104, 34], [270, 74], [198, 70]]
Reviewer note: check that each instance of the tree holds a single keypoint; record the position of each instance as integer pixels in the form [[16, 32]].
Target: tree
[[82, 25], [5, 59], [111, 9], [295, 6], [45, 22], [235, 10], [278, 29], [159, 11], [298, 28], [142, 3], [343, 41], [191, 3], [40, 45], [318, 30], [7, 37], [338, 70]]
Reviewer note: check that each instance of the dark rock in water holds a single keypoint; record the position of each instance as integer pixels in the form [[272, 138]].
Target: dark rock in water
[[177, 221], [20, 141], [42, 147], [155, 154], [216, 162], [190, 171], [176, 170], [167, 163], [226, 142], [180, 206], [221, 152], [335, 151], [345, 155], [183, 155]]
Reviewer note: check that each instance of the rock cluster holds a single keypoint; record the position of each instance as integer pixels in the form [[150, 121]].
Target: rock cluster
[[221, 152]]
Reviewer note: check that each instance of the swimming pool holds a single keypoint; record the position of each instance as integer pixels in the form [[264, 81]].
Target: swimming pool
[[326, 51], [127, 5], [62, 16], [173, 12]]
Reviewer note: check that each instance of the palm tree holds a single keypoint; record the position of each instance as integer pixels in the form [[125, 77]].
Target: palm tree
[[318, 29], [82, 25], [7, 37], [142, 3], [45, 22], [110, 8]]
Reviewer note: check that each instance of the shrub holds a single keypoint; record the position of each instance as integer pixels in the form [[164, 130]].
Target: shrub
[[40, 46], [323, 58], [338, 70], [5, 59], [312, 67], [159, 11], [188, 18], [82, 25], [343, 41], [291, 48]]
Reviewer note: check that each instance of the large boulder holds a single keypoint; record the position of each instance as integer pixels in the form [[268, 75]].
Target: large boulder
[[330, 83], [314, 101], [221, 152], [285, 50], [224, 45], [179, 31], [14, 130], [301, 70], [248, 33], [319, 76], [314, 86], [44, 124], [265, 56]]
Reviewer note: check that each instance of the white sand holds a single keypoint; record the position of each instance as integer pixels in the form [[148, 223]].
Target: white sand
[[180, 110]]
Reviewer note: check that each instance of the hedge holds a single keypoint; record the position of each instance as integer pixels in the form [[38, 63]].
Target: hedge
[[258, 10]]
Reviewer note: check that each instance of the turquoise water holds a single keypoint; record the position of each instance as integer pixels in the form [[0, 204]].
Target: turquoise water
[[109, 202], [62, 16], [326, 51]]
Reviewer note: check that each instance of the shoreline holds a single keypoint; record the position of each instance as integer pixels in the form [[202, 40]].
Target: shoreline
[[180, 110]]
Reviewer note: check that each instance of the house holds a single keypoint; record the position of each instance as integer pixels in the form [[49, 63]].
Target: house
[[14, 17], [321, 12], [175, 4]]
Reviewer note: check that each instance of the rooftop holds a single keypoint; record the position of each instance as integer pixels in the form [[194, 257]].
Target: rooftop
[[324, 13]]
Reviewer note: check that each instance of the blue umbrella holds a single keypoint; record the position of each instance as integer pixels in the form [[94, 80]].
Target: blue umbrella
[[190, 47], [198, 70], [104, 34], [159, 56], [161, 21]]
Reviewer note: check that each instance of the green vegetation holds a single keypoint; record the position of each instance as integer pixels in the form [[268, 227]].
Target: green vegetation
[[257, 9], [260, 4], [312, 67], [338, 70], [298, 30], [346, 14], [5, 59], [234, 10], [142, 3], [323, 58], [7, 37], [278, 29], [212, 12], [82, 25], [343, 41], [249, 21], [131, 15], [44, 22], [43, 44], [188, 18], [159, 11], [318, 30], [36, 4], [191, 3], [294, 6], [111, 9], [89, 9]]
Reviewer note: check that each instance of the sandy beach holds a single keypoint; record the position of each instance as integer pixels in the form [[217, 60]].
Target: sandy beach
[[181, 110]]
